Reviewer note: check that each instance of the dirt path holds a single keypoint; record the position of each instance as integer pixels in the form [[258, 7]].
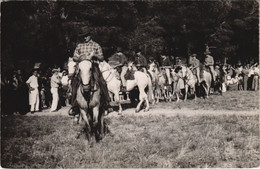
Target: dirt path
[[158, 111]]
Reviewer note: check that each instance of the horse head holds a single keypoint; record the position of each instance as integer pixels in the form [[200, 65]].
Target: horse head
[[85, 72], [180, 71], [71, 67], [130, 65], [152, 67]]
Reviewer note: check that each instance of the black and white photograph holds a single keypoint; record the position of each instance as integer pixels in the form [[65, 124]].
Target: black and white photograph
[[130, 84]]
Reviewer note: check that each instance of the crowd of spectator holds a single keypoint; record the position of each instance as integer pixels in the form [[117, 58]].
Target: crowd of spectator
[[17, 88], [242, 77]]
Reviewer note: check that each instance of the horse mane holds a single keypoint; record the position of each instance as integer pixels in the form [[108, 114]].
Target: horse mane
[[177, 69], [95, 80]]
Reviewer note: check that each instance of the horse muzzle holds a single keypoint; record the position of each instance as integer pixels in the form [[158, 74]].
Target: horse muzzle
[[86, 88]]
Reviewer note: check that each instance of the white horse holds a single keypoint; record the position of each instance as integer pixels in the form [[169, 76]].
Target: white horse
[[165, 91], [113, 84], [190, 80], [71, 66], [159, 81], [206, 82], [142, 80]]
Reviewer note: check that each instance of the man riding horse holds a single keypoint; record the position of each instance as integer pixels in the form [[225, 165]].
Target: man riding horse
[[195, 66], [87, 49], [209, 63], [140, 62], [167, 65], [119, 62]]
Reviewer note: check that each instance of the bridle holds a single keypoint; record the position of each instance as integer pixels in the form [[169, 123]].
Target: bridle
[[91, 76]]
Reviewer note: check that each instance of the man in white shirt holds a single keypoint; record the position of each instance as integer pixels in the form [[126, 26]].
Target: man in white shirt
[[32, 83], [55, 81], [256, 77]]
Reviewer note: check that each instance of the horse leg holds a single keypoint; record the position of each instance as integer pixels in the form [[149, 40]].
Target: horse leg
[[178, 97], [186, 92], [85, 118], [157, 95], [138, 107], [154, 97], [147, 105], [165, 94], [205, 89], [111, 96], [208, 91], [101, 124], [78, 118], [220, 88], [169, 96], [96, 122], [193, 91], [118, 101]]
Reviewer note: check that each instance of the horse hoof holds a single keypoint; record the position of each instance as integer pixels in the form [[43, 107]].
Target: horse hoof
[[136, 111], [147, 109], [99, 138], [110, 110], [78, 135]]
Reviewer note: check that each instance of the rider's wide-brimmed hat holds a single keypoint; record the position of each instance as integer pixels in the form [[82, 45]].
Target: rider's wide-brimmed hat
[[70, 59], [35, 69], [84, 31], [194, 55], [56, 70], [207, 52], [151, 58], [139, 53]]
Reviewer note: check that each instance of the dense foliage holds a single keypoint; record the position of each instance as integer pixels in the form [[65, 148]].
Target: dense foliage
[[47, 31]]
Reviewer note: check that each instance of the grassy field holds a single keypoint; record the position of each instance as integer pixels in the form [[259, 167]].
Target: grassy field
[[230, 100], [155, 141], [138, 141]]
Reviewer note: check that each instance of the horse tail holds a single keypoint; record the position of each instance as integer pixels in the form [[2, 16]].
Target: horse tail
[[150, 90]]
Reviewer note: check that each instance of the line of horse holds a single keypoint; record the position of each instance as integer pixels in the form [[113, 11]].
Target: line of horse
[[152, 85]]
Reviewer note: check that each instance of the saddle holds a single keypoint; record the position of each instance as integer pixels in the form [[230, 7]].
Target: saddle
[[117, 73], [130, 75]]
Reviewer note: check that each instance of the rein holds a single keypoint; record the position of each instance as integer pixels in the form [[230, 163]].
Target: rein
[[110, 73]]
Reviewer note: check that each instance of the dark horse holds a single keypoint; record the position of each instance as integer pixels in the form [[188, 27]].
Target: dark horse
[[88, 98]]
